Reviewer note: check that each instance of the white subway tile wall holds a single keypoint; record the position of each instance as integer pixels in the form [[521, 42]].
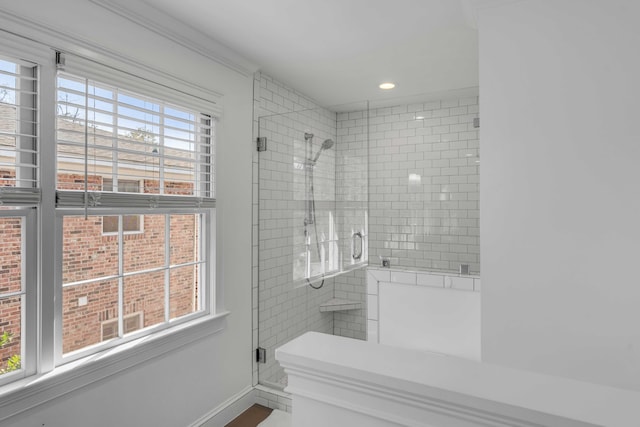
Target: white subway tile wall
[[424, 194], [423, 183], [352, 199], [415, 167], [273, 399], [282, 312], [352, 323], [378, 275]]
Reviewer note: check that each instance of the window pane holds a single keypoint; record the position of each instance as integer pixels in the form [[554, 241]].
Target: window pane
[[85, 309], [87, 253], [146, 250], [131, 223], [145, 293], [18, 127], [167, 148], [184, 290], [10, 255], [109, 224], [185, 237], [10, 334]]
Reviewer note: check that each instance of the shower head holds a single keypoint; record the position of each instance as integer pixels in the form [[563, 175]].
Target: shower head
[[327, 144]]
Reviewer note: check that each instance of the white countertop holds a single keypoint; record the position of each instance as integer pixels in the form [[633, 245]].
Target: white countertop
[[450, 377]]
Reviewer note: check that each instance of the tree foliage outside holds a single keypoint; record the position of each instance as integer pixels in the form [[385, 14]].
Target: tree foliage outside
[[14, 362], [142, 135]]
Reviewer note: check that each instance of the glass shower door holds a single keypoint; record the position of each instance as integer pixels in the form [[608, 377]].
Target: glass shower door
[[312, 226], [296, 207]]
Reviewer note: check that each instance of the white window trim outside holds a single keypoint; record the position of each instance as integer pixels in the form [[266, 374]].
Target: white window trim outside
[[126, 233], [44, 380], [139, 315]]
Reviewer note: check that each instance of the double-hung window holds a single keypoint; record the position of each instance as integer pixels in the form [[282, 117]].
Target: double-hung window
[[19, 199], [107, 219], [135, 210]]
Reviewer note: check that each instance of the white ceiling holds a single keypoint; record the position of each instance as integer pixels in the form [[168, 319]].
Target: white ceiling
[[338, 51]]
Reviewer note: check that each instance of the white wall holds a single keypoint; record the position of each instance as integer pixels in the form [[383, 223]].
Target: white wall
[[560, 212], [179, 387]]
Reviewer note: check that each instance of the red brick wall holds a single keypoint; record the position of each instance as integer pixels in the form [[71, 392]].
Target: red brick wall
[[68, 181], [10, 281], [88, 254]]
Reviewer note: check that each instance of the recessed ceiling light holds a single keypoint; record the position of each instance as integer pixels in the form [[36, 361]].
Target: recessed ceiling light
[[387, 86]]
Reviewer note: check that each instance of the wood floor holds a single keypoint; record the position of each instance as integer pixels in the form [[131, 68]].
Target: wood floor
[[251, 417]]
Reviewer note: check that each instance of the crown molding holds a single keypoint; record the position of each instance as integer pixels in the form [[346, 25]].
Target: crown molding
[[64, 41], [470, 8], [146, 15]]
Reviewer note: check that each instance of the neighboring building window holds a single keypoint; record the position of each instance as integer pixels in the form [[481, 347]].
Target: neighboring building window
[[120, 154], [130, 323], [131, 224]]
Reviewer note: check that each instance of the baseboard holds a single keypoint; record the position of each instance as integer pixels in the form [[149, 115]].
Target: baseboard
[[224, 413]]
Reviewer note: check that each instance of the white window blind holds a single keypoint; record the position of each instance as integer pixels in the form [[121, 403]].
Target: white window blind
[[18, 133], [105, 133]]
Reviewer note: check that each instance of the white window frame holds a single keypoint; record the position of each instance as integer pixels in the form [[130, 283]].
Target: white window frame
[[28, 211], [44, 374], [115, 203], [206, 275], [28, 292]]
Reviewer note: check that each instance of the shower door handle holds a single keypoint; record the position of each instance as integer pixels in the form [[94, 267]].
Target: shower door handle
[[357, 255]]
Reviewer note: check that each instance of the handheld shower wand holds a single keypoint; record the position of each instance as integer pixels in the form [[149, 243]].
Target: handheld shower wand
[[310, 217], [328, 143]]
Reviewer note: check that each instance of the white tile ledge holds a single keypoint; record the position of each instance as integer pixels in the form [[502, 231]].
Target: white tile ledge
[[33, 391], [382, 270], [407, 276], [337, 304]]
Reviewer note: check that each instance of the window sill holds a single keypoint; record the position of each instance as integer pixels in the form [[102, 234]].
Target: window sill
[[35, 390]]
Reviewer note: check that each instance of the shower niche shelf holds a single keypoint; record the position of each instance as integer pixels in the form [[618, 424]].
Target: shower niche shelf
[[337, 304]]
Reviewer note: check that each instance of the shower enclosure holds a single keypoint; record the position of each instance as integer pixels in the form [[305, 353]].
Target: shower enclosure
[[393, 180], [311, 225]]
